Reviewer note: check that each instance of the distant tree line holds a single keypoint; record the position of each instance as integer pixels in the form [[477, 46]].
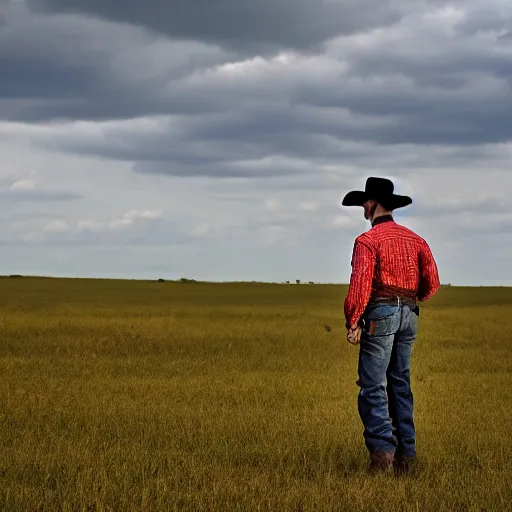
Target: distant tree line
[[186, 280]]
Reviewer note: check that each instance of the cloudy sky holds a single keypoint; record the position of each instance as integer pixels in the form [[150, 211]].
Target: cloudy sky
[[215, 139]]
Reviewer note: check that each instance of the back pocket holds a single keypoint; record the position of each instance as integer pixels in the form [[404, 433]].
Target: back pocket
[[382, 320]]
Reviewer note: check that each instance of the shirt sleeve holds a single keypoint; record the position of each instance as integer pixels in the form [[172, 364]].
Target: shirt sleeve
[[361, 280], [429, 277]]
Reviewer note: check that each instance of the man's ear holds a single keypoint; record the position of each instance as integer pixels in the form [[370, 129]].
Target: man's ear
[[369, 208], [365, 210], [372, 207]]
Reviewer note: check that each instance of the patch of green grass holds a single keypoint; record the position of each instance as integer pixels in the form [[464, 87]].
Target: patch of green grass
[[119, 395]]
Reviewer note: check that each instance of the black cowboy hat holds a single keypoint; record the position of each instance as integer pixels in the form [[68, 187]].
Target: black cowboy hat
[[380, 190]]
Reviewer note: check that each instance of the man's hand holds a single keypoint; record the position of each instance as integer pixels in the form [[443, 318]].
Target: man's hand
[[354, 334]]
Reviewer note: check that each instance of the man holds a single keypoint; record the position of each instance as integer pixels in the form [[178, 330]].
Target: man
[[392, 269]]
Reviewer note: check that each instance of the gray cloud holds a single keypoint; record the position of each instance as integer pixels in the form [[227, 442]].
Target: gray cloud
[[37, 196], [457, 93], [156, 232], [13, 189], [162, 234], [494, 17], [485, 207], [76, 67], [170, 147], [243, 25], [214, 170]]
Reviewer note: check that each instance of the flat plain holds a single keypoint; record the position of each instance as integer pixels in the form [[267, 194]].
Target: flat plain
[[148, 396]]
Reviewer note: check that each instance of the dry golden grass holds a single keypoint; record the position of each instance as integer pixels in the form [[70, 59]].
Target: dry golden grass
[[143, 396]]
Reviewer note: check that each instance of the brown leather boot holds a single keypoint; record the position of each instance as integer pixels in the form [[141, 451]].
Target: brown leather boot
[[381, 461], [403, 465]]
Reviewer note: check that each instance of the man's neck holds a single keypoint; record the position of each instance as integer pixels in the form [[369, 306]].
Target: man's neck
[[379, 218]]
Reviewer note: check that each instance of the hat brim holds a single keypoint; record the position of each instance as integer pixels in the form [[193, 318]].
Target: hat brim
[[358, 198], [355, 198]]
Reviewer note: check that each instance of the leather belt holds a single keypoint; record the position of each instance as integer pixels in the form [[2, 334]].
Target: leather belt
[[394, 301]]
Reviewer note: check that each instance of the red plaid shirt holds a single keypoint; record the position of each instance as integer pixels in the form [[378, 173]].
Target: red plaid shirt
[[389, 255]]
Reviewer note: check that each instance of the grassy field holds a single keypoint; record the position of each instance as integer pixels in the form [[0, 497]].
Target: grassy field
[[146, 396]]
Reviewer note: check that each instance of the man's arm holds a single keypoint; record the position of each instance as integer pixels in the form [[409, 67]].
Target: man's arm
[[429, 277], [363, 267]]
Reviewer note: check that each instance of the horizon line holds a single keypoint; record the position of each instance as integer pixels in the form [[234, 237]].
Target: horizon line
[[199, 281]]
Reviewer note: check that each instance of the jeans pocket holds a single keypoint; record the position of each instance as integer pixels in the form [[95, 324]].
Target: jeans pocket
[[382, 320], [383, 327]]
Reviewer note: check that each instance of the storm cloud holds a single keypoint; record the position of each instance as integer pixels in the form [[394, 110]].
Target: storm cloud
[[242, 25]]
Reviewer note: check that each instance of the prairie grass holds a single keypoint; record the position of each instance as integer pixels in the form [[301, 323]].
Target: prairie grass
[[147, 396]]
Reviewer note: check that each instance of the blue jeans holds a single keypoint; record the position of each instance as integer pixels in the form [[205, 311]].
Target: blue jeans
[[385, 400]]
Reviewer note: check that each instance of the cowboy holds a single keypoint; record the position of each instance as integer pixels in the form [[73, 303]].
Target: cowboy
[[392, 269]]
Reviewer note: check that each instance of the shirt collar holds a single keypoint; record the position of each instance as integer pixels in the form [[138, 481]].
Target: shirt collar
[[382, 219]]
